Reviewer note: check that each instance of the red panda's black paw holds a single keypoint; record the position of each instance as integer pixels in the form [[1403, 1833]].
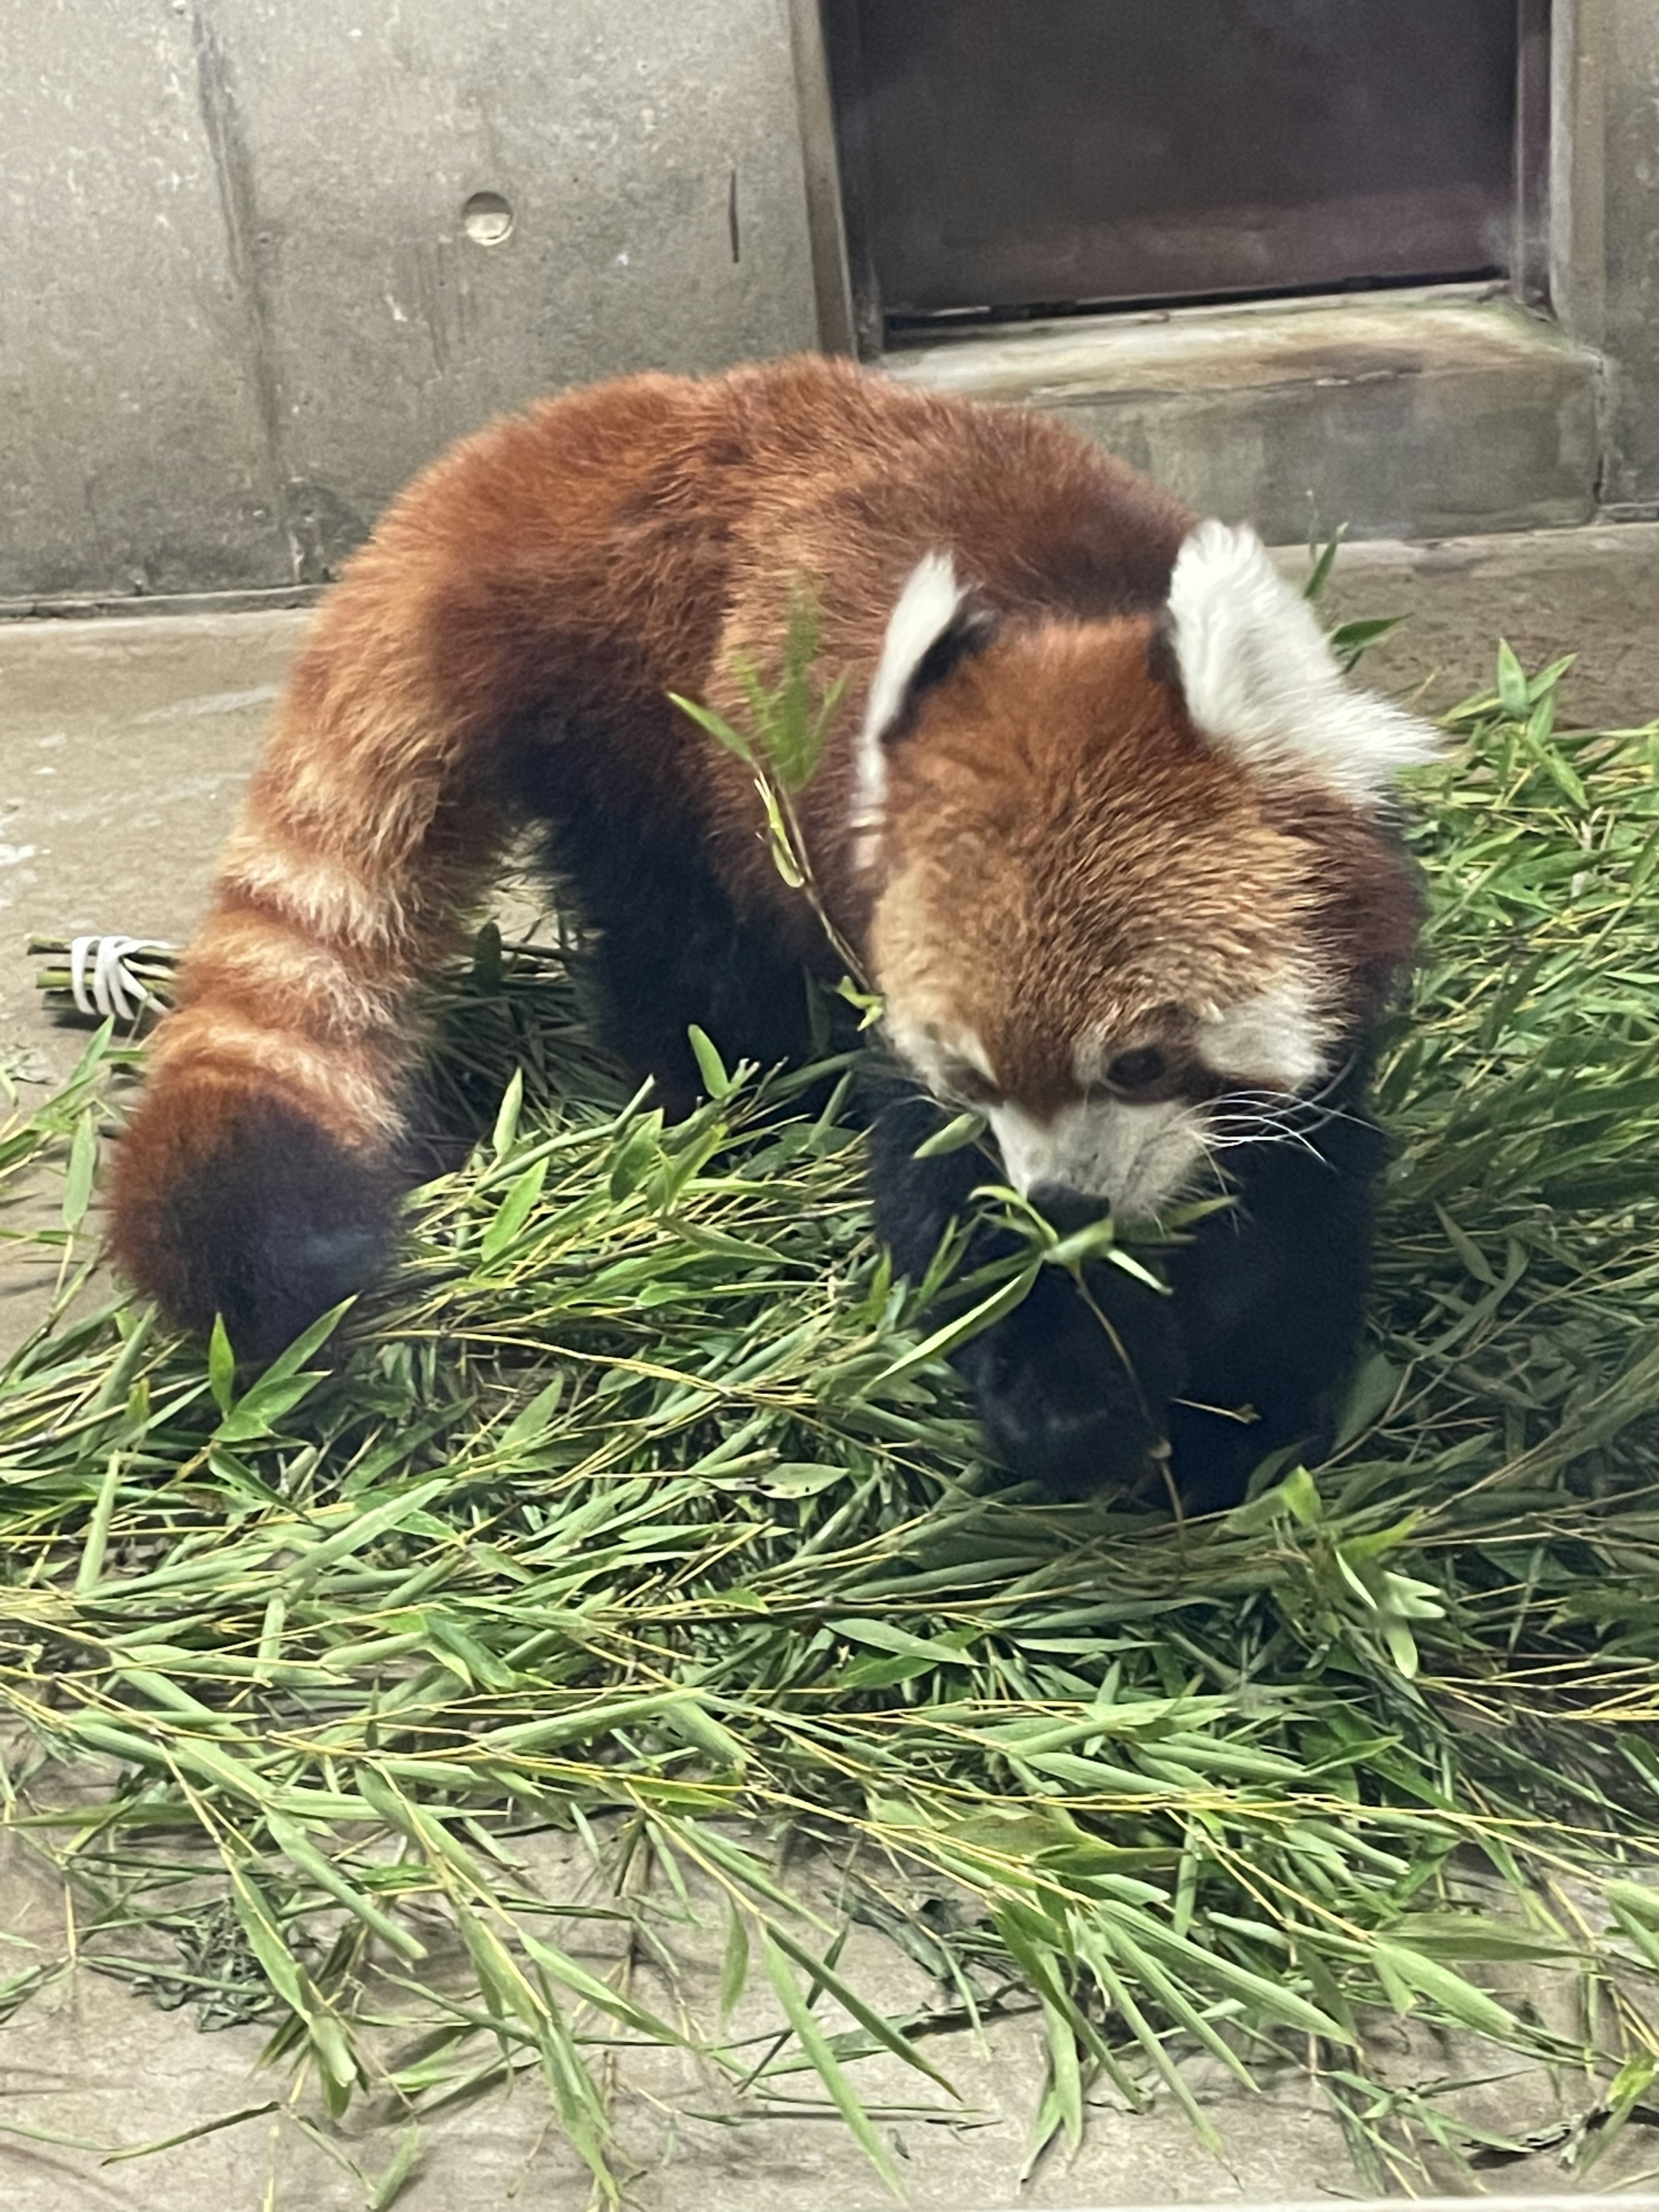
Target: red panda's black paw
[[1215, 1453], [1071, 1449], [257, 1215], [1059, 1404]]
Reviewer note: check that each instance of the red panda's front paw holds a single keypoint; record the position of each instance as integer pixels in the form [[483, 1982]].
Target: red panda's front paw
[[1048, 1427], [1061, 1404]]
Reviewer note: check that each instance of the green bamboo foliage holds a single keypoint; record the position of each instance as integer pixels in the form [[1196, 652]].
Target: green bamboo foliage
[[636, 1505]]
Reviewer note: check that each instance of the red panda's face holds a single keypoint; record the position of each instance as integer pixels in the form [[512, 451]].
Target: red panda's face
[[1134, 894]]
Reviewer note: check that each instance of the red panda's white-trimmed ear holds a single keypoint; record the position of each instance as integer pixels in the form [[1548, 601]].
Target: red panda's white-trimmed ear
[[1261, 682], [933, 623]]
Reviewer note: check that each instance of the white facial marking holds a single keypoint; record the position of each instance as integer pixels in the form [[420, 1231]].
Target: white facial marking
[[1274, 1037], [969, 1047], [1136, 1157], [1091, 1054], [924, 610], [1261, 682], [930, 1049]]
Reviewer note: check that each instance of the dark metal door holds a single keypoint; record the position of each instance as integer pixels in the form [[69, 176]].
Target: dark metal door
[[1009, 155]]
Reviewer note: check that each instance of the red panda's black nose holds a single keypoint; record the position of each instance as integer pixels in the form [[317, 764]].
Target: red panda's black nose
[[1065, 1209]]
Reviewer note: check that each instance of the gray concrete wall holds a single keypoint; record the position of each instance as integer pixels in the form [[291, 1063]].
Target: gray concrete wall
[[238, 306]]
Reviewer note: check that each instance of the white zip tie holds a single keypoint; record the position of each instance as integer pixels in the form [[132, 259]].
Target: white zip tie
[[101, 981]]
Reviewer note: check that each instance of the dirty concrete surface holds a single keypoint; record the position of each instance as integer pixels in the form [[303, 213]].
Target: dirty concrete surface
[[125, 746], [1593, 593]]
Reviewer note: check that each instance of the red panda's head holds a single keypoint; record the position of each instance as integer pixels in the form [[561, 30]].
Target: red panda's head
[[1135, 886]]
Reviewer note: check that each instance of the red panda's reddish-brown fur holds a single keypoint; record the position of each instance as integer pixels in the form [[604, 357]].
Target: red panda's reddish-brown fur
[[600, 552], [538, 593]]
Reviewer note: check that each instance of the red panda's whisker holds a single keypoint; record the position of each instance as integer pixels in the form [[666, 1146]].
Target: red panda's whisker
[[1275, 1136]]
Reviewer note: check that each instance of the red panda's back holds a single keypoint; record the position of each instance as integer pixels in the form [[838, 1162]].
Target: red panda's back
[[852, 478], [635, 533]]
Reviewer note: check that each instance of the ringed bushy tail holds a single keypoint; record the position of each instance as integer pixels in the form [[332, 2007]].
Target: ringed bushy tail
[[545, 560], [257, 1176]]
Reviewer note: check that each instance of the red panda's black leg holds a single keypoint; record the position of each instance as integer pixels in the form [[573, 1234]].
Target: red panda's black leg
[[1062, 1404], [666, 949], [1271, 1295]]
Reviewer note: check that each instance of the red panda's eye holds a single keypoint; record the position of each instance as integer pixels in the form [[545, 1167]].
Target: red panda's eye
[[1136, 1071], [969, 1087]]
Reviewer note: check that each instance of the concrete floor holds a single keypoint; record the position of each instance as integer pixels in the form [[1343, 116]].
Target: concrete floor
[[122, 747], [125, 750], [1593, 592]]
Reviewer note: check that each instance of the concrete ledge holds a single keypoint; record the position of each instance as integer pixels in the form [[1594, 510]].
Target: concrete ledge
[[1405, 415], [1555, 2200], [149, 605]]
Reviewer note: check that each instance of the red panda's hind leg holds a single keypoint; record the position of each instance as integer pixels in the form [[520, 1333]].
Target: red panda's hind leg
[[667, 949]]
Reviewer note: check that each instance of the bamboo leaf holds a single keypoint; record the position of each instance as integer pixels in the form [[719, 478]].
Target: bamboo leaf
[[816, 2050], [506, 1115], [874, 2023], [734, 1963], [193, 2134], [1458, 1999], [710, 1067], [570, 1975], [83, 1158], [221, 1366], [968, 1326], [291, 1838], [1320, 575], [716, 726], [515, 1210], [398, 2173], [965, 1129], [288, 1978], [1511, 683]]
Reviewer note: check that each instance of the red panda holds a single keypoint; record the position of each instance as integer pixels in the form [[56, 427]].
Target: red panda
[[1102, 818]]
